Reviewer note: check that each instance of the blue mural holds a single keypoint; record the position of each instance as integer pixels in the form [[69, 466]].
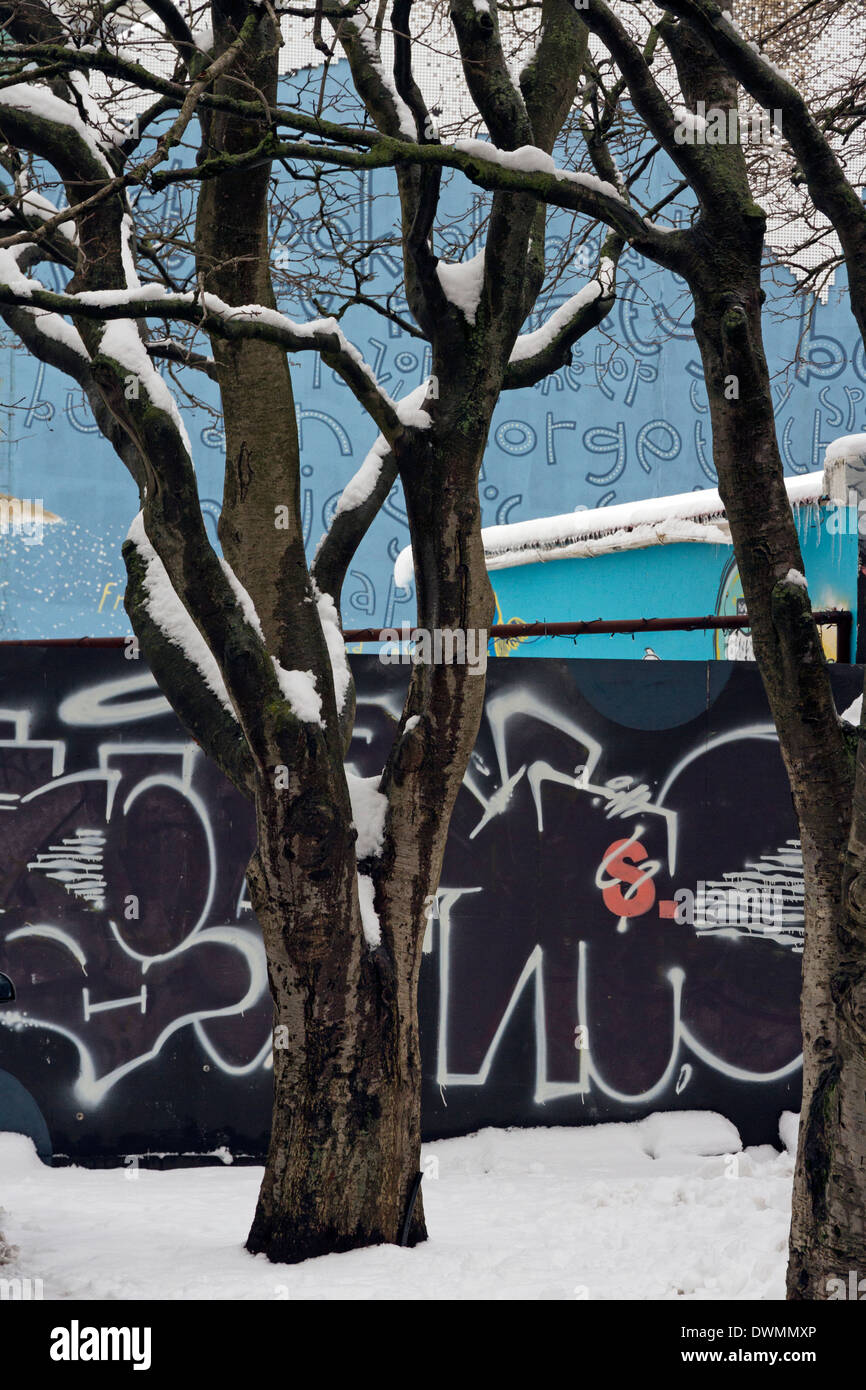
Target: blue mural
[[679, 580], [627, 420]]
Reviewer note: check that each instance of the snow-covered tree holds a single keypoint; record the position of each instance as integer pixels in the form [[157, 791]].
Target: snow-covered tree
[[247, 644]]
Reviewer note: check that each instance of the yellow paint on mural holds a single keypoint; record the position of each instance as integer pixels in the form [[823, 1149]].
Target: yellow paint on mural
[[505, 646], [737, 644], [829, 632]]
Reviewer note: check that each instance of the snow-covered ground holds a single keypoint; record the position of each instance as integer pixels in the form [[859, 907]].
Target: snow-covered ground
[[670, 1207]]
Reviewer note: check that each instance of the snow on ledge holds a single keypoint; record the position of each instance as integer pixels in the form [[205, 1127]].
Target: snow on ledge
[[846, 447], [685, 516]]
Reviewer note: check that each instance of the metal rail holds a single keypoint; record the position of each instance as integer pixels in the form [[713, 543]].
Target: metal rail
[[840, 618]]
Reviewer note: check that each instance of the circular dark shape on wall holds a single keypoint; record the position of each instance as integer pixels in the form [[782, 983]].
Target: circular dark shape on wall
[[20, 1114], [663, 695]]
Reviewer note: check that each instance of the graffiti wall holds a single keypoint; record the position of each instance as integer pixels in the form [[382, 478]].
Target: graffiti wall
[[619, 926]]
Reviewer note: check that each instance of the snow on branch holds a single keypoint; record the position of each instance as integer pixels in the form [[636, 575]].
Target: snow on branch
[[528, 169], [360, 500], [530, 159], [361, 485], [169, 614], [298, 688], [462, 283], [533, 344], [370, 923], [208, 311], [167, 611], [31, 204], [365, 31], [44, 105], [50, 324], [333, 633], [547, 348], [718, 24], [121, 342], [369, 813]]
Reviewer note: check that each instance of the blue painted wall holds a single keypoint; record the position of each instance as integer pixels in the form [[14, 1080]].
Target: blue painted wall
[[621, 423], [663, 581]]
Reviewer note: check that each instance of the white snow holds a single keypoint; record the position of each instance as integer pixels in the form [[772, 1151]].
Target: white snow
[[52, 325], [462, 283], [127, 252], [789, 1125], [852, 714], [409, 408], [369, 916], [848, 446], [299, 690], [362, 483], [245, 603], [774, 67], [330, 620], [369, 809], [686, 1131], [795, 577], [34, 204], [298, 336], [131, 295], [170, 615], [262, 313], [530, 344], [686, 516], [121, 342], [668, 1208], [12, 275], [366, 31], [298, 687], [40, 102], [529, 159]]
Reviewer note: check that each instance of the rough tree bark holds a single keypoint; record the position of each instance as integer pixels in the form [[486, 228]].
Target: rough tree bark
[[722, 265]]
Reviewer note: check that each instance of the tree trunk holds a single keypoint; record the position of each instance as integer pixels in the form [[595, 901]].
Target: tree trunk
[[828, 1226], [344, 1158], [720, 258], [345, 1143], [828, 1219]]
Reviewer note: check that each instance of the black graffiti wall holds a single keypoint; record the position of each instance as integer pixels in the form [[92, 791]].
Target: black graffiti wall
[[618, 930]]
